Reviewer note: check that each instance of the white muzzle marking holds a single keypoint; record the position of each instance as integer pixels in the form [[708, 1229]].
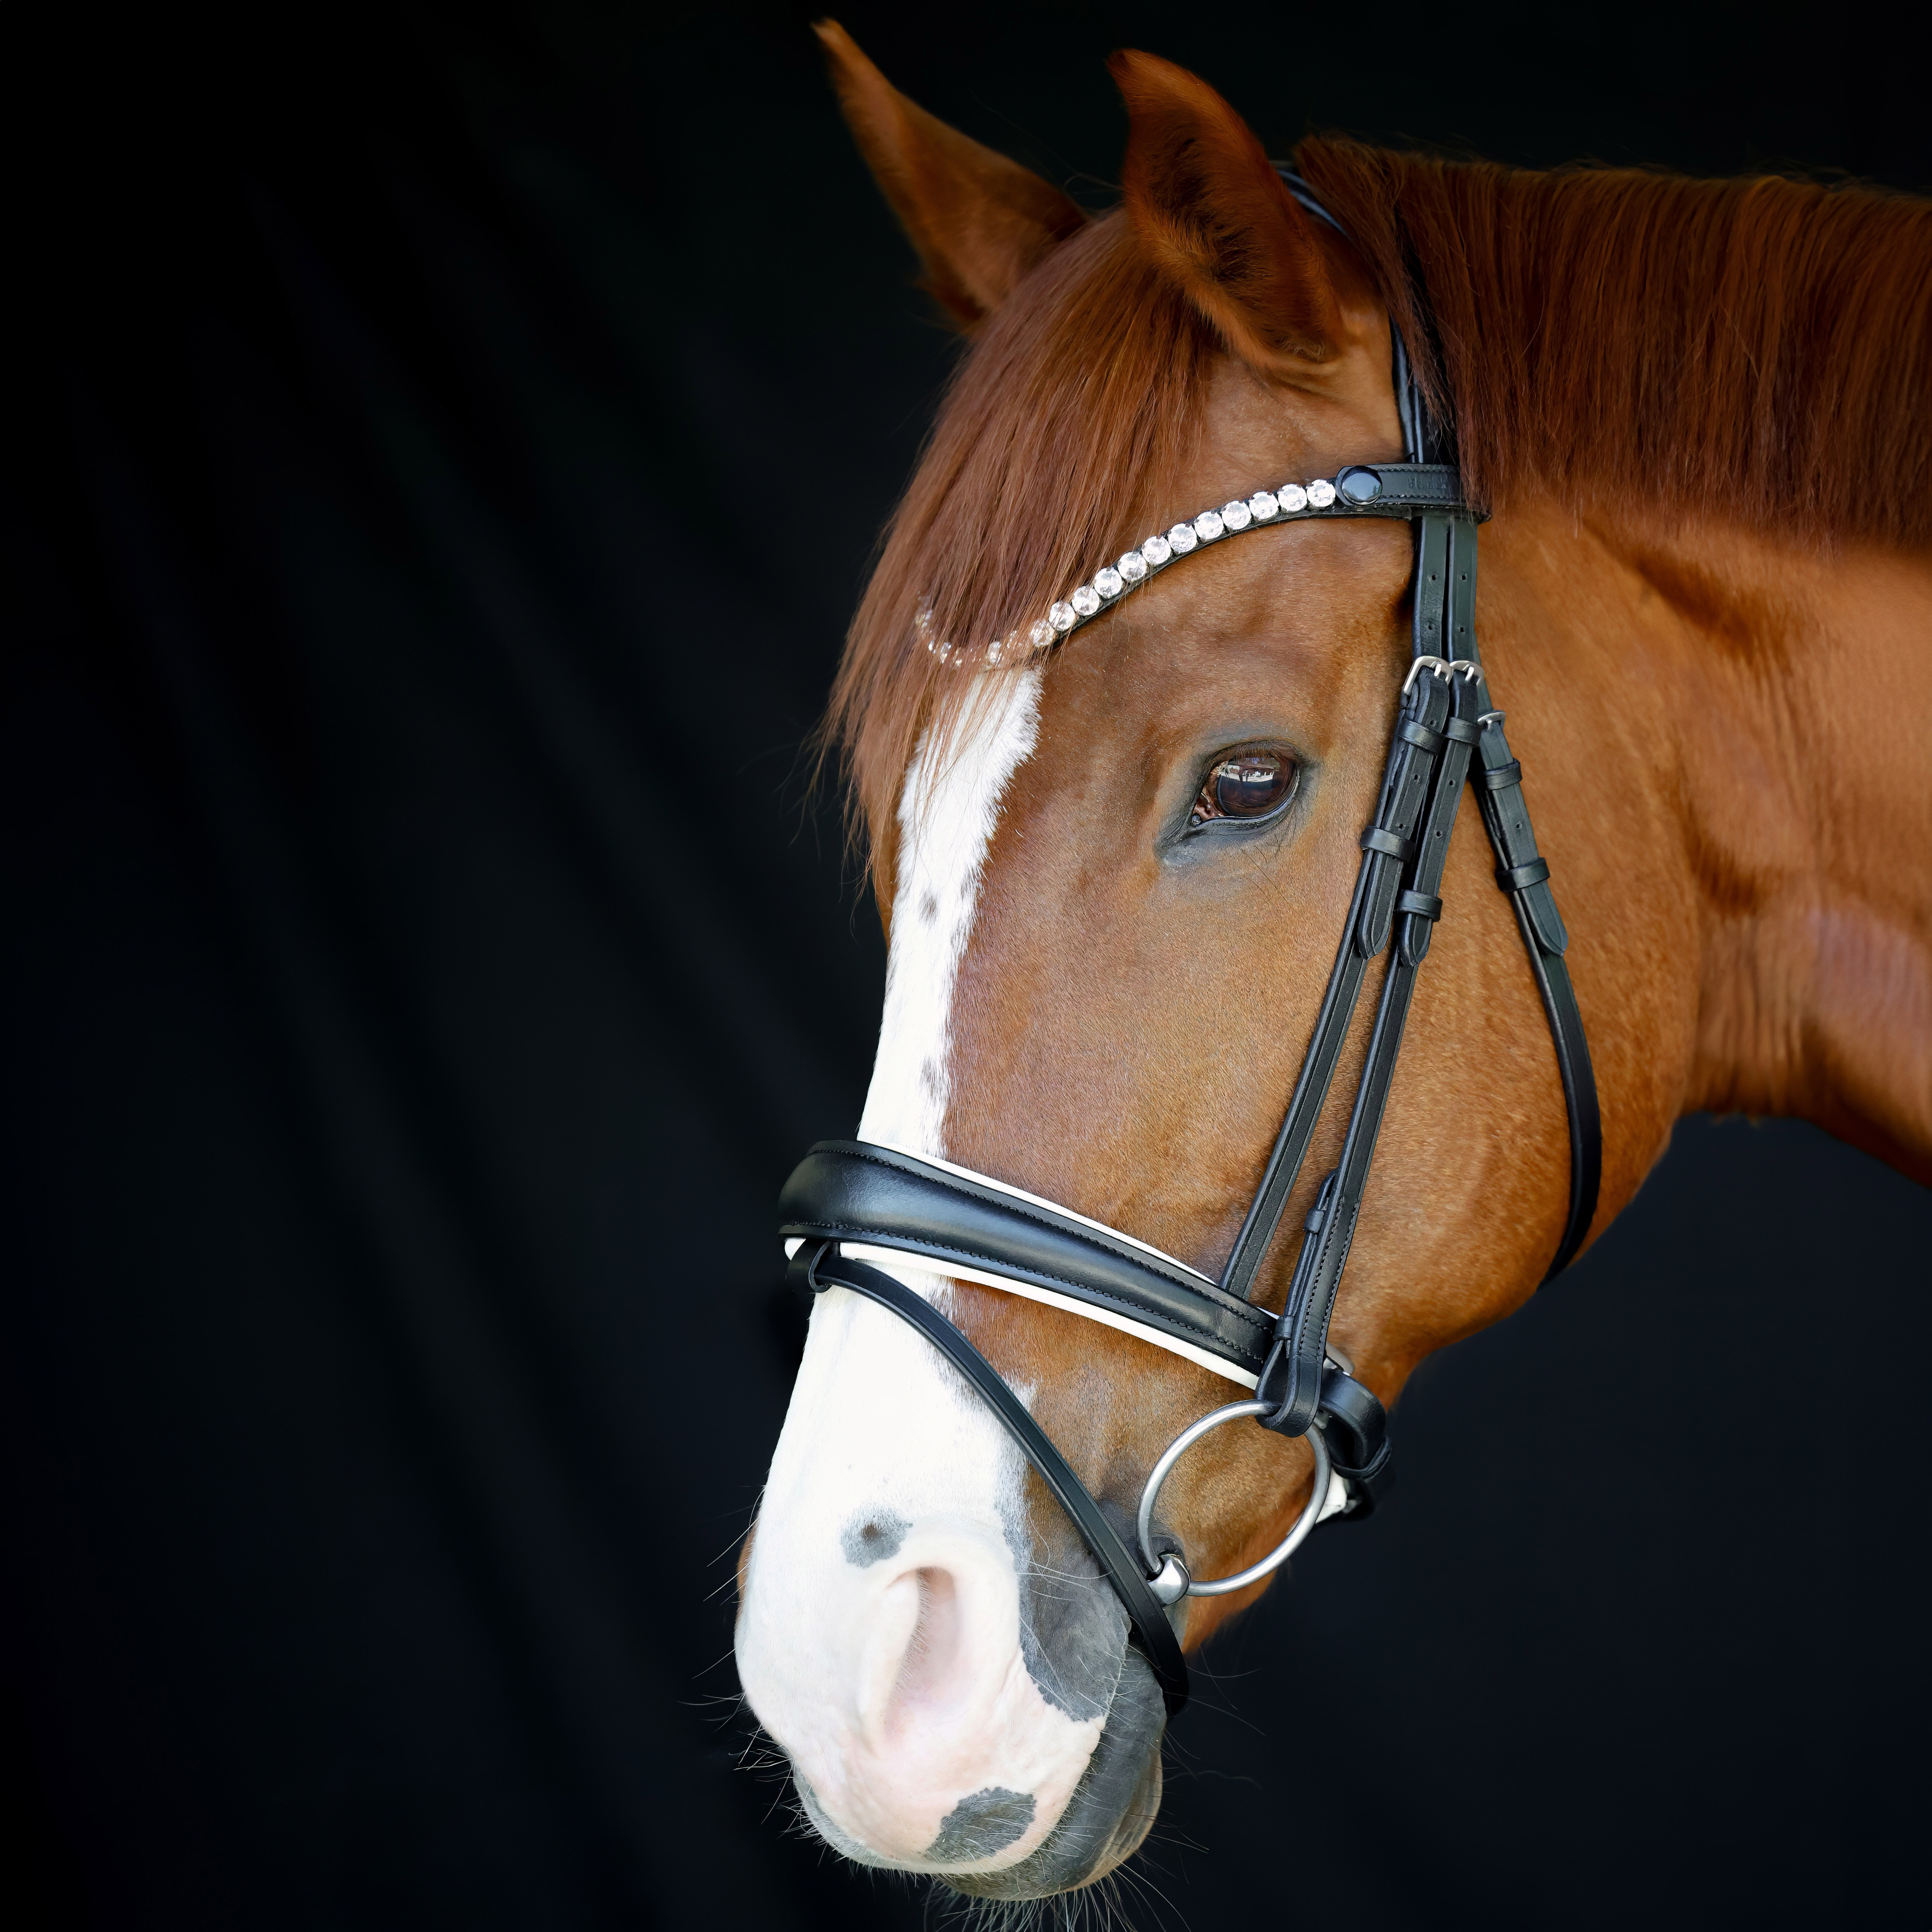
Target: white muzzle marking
[[879, 1638]]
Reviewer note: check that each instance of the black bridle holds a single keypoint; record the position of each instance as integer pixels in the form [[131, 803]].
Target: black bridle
[[851, 1195]]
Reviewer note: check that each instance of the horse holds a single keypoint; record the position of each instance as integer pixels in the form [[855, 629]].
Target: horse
[[1113, 851]]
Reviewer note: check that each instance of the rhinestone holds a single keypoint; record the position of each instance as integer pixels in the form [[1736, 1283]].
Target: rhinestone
[[1262, 505], [1321, 494], [1133, 567], [1107, 582], [1063, 616], [1208, 526], [1295, 497], [1183, 539], [1086, 600], [1042, 634], [1236, 515], [1155, 551]]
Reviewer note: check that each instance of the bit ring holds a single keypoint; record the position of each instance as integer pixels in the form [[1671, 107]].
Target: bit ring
[[1167, 1572]]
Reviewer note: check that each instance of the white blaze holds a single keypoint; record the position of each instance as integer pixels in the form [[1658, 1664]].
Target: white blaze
[[946, 815], [898, 1686]]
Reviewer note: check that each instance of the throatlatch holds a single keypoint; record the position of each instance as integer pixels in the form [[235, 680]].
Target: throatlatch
[[851, 1204]]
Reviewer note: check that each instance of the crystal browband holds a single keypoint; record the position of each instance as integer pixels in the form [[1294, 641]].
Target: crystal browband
[[1401, 491]]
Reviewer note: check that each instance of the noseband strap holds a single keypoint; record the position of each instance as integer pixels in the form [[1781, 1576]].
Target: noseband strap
[[968, 1226], [851, 1203], [822, 1267]]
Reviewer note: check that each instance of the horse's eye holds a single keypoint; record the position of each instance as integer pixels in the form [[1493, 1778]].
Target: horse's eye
[[1250, 785]]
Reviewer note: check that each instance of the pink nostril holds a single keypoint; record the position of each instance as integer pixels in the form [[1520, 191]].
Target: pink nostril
[[930, 1672]]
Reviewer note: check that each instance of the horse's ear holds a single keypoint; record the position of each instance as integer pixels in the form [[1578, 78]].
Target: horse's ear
[[1208, 208], [978, 220]]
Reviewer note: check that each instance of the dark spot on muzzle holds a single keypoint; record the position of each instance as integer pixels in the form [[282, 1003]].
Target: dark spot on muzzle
[[1110, 1812], [1112, 1808], [1073, 1636], [977, 1827], [872, 1539]]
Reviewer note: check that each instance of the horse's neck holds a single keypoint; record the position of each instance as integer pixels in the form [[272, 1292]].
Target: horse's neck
[[1818, 997], [1746, 812]]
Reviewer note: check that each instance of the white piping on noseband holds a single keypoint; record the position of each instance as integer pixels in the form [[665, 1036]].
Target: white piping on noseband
[[1126, 1324], [897, 1257]]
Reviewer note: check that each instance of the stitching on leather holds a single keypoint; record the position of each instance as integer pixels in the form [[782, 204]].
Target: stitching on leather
[[1081, 1291], [1225, 1304]]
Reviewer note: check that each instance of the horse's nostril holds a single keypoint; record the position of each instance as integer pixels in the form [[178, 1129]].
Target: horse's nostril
[[929, 1672]]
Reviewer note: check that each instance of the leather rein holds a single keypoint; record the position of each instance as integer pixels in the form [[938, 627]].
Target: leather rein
[[850, 1205]]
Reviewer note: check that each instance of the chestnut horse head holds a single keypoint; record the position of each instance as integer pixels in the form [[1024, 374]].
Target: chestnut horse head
[[1116, 866]]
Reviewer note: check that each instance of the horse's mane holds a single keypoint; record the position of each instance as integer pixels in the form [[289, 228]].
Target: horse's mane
[[1757, 350]]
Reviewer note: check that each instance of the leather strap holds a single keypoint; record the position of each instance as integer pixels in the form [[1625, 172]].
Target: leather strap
[[1388, 844], [1444, 627], [1428, 628], [1524, 874], [822, 1267], [1392, 490], [853, 1191], [1293, 1379], [1356, 1425], [1506, 818]]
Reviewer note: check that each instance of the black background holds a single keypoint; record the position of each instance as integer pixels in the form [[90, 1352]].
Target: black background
[[441, 450]]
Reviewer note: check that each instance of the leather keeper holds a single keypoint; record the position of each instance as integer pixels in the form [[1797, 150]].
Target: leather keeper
[[1420, 735], [799, 1276], [1368, 1484], [1356, 1425], [1546, 922], [1388, 843], [1421, 904], [1520, 878], [1464, 731], [1503, 777]]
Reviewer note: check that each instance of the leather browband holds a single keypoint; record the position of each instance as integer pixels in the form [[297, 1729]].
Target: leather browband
[[1401, 492]]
